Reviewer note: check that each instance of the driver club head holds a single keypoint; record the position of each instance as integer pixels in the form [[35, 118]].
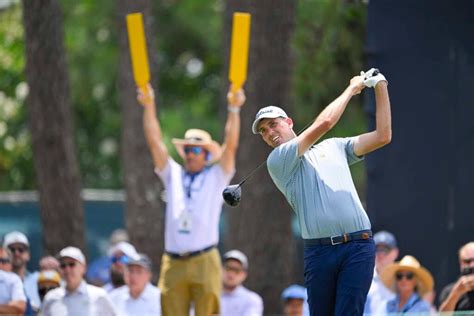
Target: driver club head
[[232, 195]]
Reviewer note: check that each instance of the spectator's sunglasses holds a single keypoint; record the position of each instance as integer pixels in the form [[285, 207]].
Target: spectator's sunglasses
[[195, 150], [4, 260], [18, 249], [120, 259], [63, 265], [401, 275]]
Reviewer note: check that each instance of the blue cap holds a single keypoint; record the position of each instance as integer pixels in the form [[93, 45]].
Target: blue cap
[[386, 238], [294, 292]]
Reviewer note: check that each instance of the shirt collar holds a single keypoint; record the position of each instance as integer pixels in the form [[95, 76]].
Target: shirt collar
[[144, 295], [81, 289], [409, 304]]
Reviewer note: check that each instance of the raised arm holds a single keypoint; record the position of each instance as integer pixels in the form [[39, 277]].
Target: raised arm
[[464, 285], [365, 143], [329, 116], [232, 129], [152, 128]]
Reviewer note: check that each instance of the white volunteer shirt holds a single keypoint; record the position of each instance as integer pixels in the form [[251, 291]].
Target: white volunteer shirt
[[87, 300], [11, 288], [147, 304], [241, 302], [193, 206], [378, 297]]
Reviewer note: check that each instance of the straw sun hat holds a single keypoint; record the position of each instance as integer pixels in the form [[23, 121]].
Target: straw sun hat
[[198, 137], [408, 263]]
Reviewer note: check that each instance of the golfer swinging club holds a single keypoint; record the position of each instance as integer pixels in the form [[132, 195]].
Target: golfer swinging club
[[339, 252]]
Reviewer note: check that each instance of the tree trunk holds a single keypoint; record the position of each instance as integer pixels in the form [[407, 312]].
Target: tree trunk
[[144, 208], [261, 225], [51, 126]]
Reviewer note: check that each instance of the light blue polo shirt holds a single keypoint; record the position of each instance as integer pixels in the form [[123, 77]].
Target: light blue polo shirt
[[319, 186]]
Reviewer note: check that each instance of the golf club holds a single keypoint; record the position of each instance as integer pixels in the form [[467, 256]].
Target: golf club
[[232, 194]]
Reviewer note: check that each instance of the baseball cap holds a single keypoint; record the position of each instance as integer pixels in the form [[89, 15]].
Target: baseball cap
[[140, 260], [237, 255], [73, 253], [49, 276], [386, 238], [15, 237], [294, 292], [267, 112], [125, 247]]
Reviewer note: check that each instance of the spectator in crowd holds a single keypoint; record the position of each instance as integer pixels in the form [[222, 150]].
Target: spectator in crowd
[[295, 301], [19, 246], [191, 270], [386, 252], [459, 295], [76, 297], [138, 297], [12, 295], [410, 282], [5, 259], [120, 255], [49, 263], [47, 280], [31, 283], [236, 299], [98, 272]]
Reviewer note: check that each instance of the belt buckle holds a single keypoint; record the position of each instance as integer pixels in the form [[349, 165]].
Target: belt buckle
[[333, 242], [184, 254]]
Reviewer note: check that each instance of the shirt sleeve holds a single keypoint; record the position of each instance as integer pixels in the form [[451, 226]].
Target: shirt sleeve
[[347, 144], [106, 306], [18, 293], [283, 160], [256, 307], [172, 167]]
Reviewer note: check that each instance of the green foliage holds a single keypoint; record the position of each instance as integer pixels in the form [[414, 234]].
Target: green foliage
[[16, 169], [328, 50]]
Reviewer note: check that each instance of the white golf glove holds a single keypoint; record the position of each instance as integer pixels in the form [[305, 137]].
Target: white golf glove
[[372, 77]]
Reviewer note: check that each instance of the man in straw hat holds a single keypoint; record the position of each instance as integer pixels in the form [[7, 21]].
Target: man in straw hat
[[191, 265], [410, 281]]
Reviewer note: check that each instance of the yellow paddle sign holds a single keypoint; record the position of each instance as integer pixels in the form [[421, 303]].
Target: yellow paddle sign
[[138, 51], [239, 52]]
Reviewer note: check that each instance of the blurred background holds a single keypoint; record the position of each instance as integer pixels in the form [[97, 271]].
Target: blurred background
[[74, 164]]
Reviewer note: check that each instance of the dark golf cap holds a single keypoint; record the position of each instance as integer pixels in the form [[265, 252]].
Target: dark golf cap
[[386, 238], [140, 260]]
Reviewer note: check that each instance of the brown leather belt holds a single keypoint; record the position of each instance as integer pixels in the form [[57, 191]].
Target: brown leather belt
[[341, 239]]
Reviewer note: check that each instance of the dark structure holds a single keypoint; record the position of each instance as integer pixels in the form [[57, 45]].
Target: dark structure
[[420, 186]]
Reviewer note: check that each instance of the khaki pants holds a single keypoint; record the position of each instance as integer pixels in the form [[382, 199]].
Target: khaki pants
[[197, 279]]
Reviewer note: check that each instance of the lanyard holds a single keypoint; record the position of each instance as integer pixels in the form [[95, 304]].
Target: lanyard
[[188, 185]]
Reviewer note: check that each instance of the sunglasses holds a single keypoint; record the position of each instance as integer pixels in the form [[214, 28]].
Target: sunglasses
[[18, 249], [408, 275], [4, 260], [63, 265], [194, 150], [384, 249], [467, 260], [121, 259], [233, 269]]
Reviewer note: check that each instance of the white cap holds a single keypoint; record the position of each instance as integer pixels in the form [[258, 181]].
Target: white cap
[[267, 112], [124, 247], [15, 237], [73, 253], [237, 255]]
